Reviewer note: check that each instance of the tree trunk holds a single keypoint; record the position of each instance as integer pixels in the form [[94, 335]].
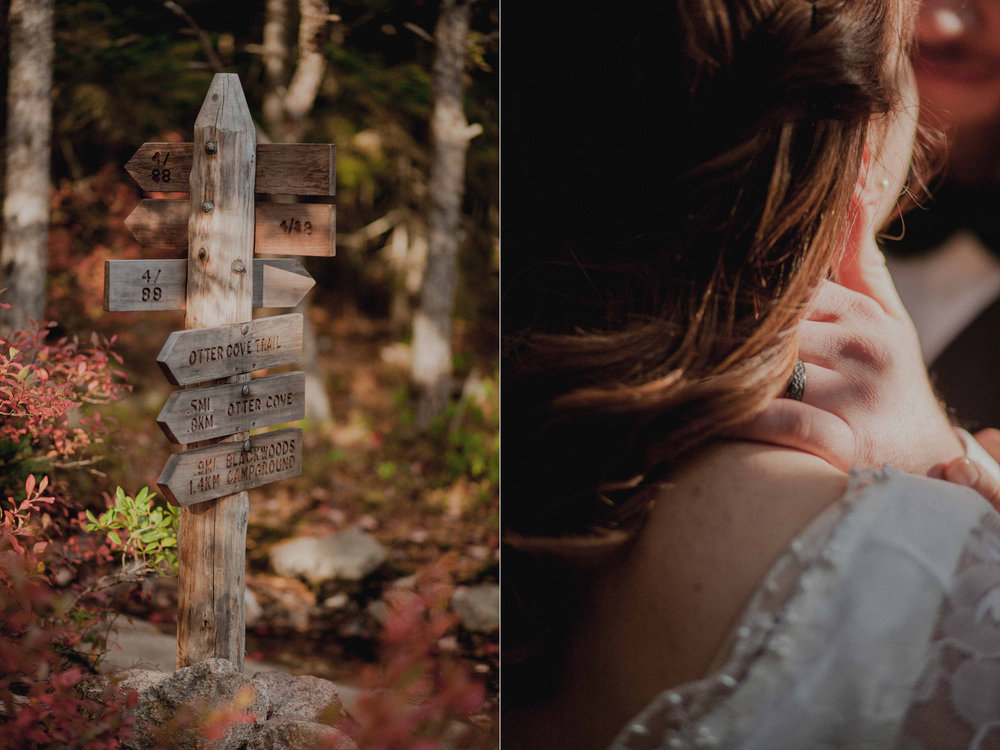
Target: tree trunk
[[290, 96], [29, 135], [450, 135]]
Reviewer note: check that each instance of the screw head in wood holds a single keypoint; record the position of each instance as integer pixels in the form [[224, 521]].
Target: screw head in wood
[[246, 446], [239, 266], [208, 207], [245, 329], [246, 389], [211, 147]]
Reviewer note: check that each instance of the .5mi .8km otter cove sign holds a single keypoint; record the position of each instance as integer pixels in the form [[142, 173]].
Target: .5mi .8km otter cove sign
[[216, 411], [227, 468]]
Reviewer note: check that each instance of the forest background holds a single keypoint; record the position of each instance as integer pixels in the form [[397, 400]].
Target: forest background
[[424, 483]]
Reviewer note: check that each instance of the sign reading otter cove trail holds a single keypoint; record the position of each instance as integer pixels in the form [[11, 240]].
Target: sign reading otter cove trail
[[227, 468], [216, 411], [200, 354]]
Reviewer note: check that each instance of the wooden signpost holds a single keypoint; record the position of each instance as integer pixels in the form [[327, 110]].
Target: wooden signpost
[[218, 285]]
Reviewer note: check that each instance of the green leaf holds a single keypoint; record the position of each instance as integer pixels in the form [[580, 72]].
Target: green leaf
[[120, 495], [114, 537], [91, 517]]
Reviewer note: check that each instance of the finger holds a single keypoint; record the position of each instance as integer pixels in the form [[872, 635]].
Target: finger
[[858, 357], [827, 388], [834, 303], [862, 267], [968, 473], [989, 439], [794, 424]]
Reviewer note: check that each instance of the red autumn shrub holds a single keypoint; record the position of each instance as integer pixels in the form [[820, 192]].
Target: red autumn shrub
[[48, 424], [39, 666], [417, 694]]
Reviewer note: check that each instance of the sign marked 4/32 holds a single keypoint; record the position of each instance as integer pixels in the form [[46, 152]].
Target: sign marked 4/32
[[279, 228]]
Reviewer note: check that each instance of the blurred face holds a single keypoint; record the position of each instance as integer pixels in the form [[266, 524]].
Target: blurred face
[[957, 60]]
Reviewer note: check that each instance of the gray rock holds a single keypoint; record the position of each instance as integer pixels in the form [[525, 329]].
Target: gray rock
[[169, 703], [140, 680], [292, 712], [297, 734], [301, 697], [348, 555], [478, 607]]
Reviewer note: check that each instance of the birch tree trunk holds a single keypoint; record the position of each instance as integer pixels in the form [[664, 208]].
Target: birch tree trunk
[[26, 190], [450, 136], [290, 96]]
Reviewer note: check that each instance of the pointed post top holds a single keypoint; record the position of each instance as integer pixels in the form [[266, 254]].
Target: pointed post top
[[225, 106]]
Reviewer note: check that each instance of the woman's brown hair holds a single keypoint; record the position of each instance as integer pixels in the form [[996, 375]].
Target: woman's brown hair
[[678, 179]]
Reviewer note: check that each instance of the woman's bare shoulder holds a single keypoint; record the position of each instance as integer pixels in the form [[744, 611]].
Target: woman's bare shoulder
[[657, 618]]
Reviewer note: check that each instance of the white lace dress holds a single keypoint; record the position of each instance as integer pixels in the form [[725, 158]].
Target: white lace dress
[[878, 628]]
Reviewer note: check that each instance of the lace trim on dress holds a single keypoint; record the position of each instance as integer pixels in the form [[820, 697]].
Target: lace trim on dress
[[831, 653], [957, 699]]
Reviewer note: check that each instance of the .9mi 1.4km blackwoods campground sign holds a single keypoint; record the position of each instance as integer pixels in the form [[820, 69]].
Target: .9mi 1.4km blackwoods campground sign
[[218, 285]]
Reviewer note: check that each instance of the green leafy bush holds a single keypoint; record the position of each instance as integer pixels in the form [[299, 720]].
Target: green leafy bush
[[141, 530]]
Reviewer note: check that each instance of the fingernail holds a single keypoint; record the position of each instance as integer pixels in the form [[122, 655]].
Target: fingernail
[[963, 472]]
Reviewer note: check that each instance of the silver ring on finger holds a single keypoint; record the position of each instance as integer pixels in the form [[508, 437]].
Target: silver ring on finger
[[797, 384]]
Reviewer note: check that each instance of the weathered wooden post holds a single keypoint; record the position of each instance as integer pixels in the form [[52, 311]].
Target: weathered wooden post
[[222, 345], [212, 540]]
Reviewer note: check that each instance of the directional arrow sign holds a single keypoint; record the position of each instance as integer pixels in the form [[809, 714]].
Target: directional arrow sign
[[216, 411], [145, 285], [227, 468], [279, 228], [202, 354], [288, 168]]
